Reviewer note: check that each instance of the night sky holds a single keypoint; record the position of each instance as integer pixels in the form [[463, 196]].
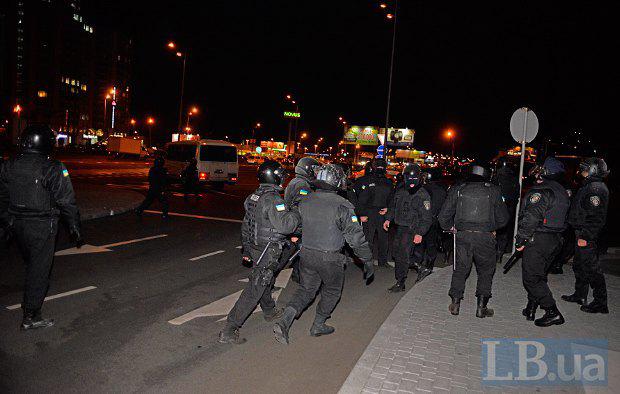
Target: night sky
[[466, 66]]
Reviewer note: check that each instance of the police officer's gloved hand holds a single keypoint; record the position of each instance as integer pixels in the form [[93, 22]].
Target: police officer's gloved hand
[[369, 272], [77, 236]]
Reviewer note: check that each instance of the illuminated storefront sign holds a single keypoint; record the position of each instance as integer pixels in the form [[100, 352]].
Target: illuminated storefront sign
[[361, 135], [289, 114]]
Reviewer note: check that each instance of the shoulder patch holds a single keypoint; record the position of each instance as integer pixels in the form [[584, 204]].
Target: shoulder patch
[[254, 197], [354, 219], [595, 200], [65, 173], [534, 198], [280, 207], [303, 192], [427, 205]]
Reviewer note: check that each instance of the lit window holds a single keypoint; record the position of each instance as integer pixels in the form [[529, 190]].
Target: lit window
[[84, 87], [73, 82], [42, 93]]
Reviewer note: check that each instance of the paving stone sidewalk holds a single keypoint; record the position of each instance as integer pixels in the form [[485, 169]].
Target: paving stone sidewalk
[[422, 348]]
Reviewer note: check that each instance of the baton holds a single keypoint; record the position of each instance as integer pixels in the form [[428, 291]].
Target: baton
[[294, 255], [262, 255]]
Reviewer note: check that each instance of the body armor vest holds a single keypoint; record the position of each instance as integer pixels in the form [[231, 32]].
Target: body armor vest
[[319, 215], [474, 209], [28, 192], [257, 227], [555, 218]]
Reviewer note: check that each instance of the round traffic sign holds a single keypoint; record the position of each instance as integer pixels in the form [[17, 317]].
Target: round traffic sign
[[524, 123], [380, 150]]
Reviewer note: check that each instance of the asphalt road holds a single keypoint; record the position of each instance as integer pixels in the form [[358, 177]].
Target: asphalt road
[[113, 331]]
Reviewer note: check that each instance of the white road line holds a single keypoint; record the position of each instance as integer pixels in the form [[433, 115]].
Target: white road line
[[131, 241], [206, 255], [185, 215], [67, 293], [238, 247]]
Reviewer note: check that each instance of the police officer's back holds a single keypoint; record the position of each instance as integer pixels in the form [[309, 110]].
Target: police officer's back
[[475, 210], [35, 191], [301, 185], [542, 219], [328, 221], [587, 216]]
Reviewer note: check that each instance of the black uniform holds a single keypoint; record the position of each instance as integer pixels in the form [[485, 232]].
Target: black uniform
[[508, 181], [588, 214], [296, 191], [425, 254], [328, 221], [475, 210], [35, 192], [411, 211], [542, 220], [190, 180], [374, 197], [158, 178], [266, 225]]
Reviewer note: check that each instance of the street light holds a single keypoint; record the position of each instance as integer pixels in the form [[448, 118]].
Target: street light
[[450, 134], [150, 121], [18, 110], [192, 111], [172, 45], [391, 16]]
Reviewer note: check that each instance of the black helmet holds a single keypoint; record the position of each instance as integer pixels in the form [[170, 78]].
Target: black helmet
[[331, 176], [159, 161], [37, 138], [306, 166], [379, 166], [271, 172], [595, 167], [552, 168], [478, 173], [412, 175]]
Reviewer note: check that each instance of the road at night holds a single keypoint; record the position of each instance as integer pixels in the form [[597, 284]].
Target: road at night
[[124, 308]]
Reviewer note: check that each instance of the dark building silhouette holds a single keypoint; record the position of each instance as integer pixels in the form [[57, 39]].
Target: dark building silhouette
[[58, 67]]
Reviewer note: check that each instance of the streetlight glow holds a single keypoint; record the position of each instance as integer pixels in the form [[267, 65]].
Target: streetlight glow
[[383, 5], [133, 122], [150, 120], [390, 16], [17, 109], [171, 45]]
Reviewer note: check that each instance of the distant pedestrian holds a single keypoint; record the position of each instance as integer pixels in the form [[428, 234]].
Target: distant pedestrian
[[588, 215], [158, 179], [35, 191], [474, 210], [190, 180]]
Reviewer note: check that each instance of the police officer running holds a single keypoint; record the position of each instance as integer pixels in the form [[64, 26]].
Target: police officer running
[[297, 190], [474, 210], [587, 215], [190, 179], [266, 224], [425, 254], [373, 206], [35, 191], [158, 178], [542, 219], [328, 221], [410, 209]]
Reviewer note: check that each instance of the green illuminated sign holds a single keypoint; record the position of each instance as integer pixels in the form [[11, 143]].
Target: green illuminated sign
[[288, 114]]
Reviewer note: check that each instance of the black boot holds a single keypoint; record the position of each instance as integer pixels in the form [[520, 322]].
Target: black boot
[[423, 274], [230, 334], [575, 298], [33, 319], [273, 314], [482, 310], [320, 328], [397, 288], [551, 317], [530, 310], [595, 307], [280, 329], [455, 306]]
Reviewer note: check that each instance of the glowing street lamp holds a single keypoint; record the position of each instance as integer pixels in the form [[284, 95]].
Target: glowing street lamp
[[150, 121], [450, 134], [172, 46], [192, 111]]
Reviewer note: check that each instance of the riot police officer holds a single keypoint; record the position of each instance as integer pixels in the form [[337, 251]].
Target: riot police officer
[[328, 221], [158, 178], [508, 181], [297, 190], [542, 219], [425, 254], [35, 191], [373, 205], [190, 179], [410, 208], [358, 195], [587, 215], [474, 210], [266, 224]]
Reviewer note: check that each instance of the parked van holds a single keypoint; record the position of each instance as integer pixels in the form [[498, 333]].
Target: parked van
[[217, 160]]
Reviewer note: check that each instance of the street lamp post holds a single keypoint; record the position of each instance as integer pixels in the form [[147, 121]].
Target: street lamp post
[[389, 96], [150, 121], [184, 55], [451, 134], [18, 111]]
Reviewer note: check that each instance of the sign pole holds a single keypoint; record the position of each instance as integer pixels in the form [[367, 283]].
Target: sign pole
[[521, 165]]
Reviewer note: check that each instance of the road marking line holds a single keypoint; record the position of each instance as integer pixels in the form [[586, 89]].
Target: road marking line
[[239, 247], [103, 248], [185, 215], [224, 305], [132, 241], [206, 255], [67, 293]]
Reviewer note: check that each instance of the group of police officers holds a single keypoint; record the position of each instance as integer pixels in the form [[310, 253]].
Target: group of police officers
[[315, 221], [322, 221]]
